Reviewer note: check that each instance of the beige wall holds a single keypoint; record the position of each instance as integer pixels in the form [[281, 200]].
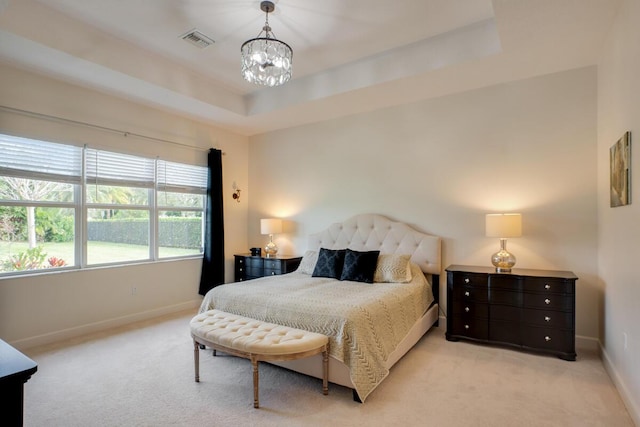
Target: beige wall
[[440, 165], [619, 228], [40, 308]]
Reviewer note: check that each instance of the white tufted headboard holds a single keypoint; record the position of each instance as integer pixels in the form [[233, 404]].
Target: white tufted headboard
[[375, 232]]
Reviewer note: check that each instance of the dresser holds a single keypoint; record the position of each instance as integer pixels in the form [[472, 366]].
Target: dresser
[[251, 267], [15, 370], [529, 309]]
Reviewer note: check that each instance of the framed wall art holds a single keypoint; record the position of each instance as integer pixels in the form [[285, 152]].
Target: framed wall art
[[620, 171]]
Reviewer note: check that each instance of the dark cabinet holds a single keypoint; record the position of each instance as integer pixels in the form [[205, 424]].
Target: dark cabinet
[[529, 309], [251, 267]]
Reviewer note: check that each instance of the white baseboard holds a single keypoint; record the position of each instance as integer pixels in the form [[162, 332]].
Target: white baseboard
[[633, 407], [89, 328]]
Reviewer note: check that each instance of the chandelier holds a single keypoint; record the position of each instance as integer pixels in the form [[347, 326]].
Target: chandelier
[[266, 60]]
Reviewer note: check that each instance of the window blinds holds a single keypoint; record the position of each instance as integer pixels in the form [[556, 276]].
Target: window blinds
[[108, 168], [33, 159], [178, 177]]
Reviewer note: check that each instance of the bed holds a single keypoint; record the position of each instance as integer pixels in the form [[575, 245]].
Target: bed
[[370, 325]]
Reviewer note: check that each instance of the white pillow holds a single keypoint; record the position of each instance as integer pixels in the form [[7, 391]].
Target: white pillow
[[308, 262], [393, 269]]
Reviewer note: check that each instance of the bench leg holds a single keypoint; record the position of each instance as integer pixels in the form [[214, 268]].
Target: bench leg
[[325, 371], [254, 363], [196, 359]]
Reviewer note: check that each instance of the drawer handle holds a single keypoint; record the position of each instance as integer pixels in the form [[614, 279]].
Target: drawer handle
[[466, 326], [466, 309], [240, 268], [273, 273], [547, 338], [547, 318], [466, 280], [547, 301], [466, 294], [547, 286]]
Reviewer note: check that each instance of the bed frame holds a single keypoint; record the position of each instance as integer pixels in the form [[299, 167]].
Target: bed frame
[[375, 232]]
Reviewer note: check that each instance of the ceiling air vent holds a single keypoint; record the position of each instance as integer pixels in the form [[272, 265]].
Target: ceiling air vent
[[198, 39]]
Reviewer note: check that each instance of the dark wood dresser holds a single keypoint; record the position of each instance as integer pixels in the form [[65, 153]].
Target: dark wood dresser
[[529, 309], [251, 267], [15, 370]]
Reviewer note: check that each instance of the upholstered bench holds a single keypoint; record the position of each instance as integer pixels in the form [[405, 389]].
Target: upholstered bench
[[256, 341]]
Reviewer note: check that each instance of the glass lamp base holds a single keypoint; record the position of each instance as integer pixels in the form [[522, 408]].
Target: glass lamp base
[[502, 260], [271, 249]]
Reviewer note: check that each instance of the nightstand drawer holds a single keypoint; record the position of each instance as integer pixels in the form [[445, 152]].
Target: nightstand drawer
[[471, 309], [551, 302], [470, 327], [548, 339], [548, 285], [548, 318]]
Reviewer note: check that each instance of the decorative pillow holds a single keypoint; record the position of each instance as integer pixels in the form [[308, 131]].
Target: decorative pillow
[[329, 264], [359, 266], [393, 269], [308, 262]]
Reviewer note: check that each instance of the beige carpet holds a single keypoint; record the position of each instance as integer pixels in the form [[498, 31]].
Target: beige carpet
[[142, 375]]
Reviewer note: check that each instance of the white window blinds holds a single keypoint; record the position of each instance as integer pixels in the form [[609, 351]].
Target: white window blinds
[[108, 168], [178, 177], [33, 159]]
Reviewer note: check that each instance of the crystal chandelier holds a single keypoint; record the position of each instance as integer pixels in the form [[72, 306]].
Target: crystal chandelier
[[266, 60]]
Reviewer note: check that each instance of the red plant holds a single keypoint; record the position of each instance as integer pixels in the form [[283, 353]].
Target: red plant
[[56, 262]]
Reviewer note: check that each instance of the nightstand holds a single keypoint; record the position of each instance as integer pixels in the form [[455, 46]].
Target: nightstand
[[251, 267], [528, 309]]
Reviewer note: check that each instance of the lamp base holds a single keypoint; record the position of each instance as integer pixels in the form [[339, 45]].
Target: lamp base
[[271, 249], [502, 260]]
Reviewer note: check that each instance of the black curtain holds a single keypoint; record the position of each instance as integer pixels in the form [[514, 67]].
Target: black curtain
[[213, 260]]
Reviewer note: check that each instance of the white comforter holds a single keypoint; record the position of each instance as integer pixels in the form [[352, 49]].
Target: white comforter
[[364, 322]]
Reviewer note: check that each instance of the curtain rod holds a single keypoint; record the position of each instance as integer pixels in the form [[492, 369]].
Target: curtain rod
[[94, 126]]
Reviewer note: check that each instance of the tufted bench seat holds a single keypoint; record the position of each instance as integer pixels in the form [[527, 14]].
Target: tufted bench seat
[[256, 341]]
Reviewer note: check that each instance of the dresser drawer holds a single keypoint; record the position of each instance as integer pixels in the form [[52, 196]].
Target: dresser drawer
[[479, 281], [471, 309], [505, 332], [470, 327], [470, 293], [551, 302], [500, 296], [548, 339], [505, 312], [548, 285], [548, 318]]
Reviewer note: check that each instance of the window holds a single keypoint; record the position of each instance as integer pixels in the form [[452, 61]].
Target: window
[[55, 213]]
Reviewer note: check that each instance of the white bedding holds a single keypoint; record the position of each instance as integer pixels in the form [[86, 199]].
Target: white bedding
[[365, 322]]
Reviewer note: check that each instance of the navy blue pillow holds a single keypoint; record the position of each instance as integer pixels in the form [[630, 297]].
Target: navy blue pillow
[[359, 266], [329, 264]]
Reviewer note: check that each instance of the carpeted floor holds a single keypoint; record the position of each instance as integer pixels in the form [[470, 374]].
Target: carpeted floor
[[142, 375]]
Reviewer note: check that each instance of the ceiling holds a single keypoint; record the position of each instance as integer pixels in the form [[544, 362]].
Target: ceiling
[[349, 56]]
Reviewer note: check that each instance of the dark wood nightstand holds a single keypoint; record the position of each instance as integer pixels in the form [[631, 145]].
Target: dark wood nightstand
[[251, 267], [529, 309]]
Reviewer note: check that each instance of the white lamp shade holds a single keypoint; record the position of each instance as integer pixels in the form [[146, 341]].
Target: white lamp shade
[[504, 225], [270, 226]]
